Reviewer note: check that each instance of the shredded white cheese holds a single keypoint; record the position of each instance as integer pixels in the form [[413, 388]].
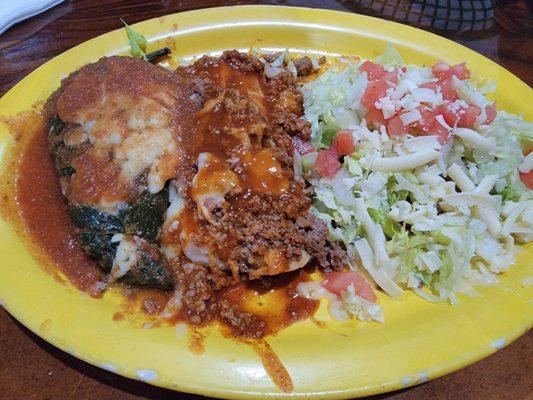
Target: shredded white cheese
[[407, 162]]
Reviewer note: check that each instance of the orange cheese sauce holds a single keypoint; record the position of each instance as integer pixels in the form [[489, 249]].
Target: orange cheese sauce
[[263, 173]]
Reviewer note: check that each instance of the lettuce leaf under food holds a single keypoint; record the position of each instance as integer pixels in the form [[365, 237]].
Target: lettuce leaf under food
[[390, 57]]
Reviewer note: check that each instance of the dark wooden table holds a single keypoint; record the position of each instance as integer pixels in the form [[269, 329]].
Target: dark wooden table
[[31, 369]]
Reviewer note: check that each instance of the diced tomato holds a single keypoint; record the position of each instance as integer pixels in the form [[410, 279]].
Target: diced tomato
[[429, 125], [443, 71], [344, 143], [527, 179], [460, 71], [375, 118], [427, 122], [449, 116], [337, 282], [463, 117], [429, 85], [301, 146], [373, 92], [334, 150], [467, 119], [327, 162], [491, 113], [395, 127], [374, 71], [378, 89], [442, 133], [446, 88]]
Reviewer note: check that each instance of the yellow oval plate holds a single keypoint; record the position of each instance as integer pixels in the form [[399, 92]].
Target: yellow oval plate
[[419, 340]]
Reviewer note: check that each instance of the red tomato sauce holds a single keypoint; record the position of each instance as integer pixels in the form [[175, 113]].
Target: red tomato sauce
[[44, 212]]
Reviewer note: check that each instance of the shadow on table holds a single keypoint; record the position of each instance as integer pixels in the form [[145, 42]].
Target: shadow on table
[[127, 385]]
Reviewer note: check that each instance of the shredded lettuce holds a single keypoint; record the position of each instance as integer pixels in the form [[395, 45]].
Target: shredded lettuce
[[390, 57], [436, 219], [329, 101], [362, 309], [329, 134]]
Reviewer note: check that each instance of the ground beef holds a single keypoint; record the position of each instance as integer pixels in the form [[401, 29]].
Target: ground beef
[[243, 61], [295, 126], [265, 225], [195, 285], [270, 57], [248, 224], [152, 306], [241, 323], [303, 66], [202, 89]]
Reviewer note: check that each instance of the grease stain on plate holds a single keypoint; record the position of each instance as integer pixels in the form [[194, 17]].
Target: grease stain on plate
[[196, 343], [45, 325]]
